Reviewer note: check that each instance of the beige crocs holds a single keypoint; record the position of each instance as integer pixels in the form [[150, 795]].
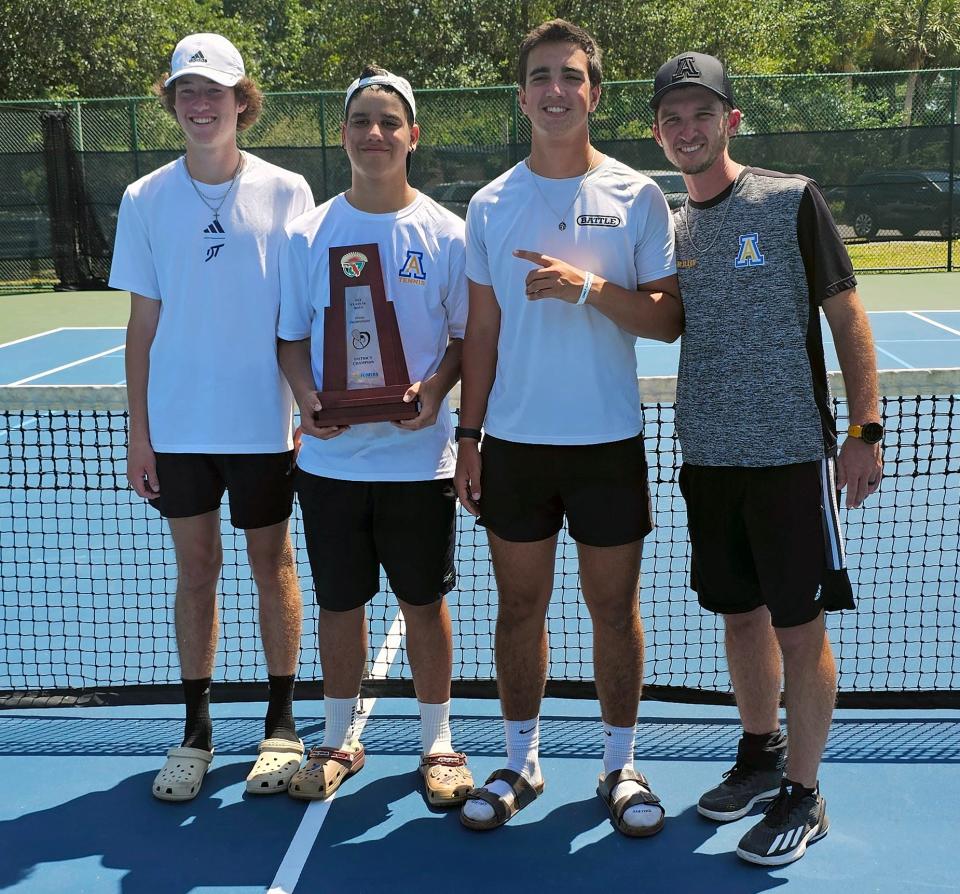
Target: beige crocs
[[324, 770], [446, 778], [278, 760], [180, 777]]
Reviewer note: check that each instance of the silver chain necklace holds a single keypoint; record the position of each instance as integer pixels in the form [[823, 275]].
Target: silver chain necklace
[[723, 220], [206, 199], [563, 217]]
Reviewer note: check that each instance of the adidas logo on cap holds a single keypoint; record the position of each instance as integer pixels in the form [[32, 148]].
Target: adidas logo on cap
[[208, 55]]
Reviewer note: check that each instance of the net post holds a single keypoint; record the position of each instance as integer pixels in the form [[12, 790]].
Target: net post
[[323, 146], [951, 204], [134, 137]]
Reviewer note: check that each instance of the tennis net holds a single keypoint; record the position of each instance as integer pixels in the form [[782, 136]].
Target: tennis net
[[88, 571]]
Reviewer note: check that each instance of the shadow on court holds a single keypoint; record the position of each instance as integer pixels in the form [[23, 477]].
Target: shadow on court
[[570, 848], [884, 740], [169, 848]]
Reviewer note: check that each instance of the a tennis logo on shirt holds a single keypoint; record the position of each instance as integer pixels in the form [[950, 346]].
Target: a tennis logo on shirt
[[412, 270], [353, 263], [213, 234], [686, 263], [598, 220], [749, 254]]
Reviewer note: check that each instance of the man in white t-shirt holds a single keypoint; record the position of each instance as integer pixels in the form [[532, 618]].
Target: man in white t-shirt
[[569, 259], [197, 245], [380, 494]]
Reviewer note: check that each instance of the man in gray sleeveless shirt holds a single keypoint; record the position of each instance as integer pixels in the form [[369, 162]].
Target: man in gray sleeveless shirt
[[758, 256]]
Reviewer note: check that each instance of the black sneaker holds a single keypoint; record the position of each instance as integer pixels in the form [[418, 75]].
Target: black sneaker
[[744, 784], [792, 821]]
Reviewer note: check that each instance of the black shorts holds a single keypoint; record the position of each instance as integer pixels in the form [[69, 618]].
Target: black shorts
[[766, 536], [351, 528], [526, 489], [260, 486]]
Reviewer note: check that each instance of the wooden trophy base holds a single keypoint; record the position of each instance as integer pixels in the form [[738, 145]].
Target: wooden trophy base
[[384, 404]]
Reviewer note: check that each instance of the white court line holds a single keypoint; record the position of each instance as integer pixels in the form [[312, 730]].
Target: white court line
[[306, 835], [920, 316], [6, 431], [941, 310], [50, 372], [18, 341], [903, 363]]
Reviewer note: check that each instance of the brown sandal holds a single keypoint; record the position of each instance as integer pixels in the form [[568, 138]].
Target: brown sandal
[[617, 808], [523, 794], [324, 771], [446, 778]]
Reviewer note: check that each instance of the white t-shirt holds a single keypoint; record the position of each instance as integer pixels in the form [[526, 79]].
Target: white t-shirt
[[566, 374], [214, 384], [422, 254]]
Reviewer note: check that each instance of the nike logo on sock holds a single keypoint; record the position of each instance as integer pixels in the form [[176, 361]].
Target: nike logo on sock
[[525, 732]]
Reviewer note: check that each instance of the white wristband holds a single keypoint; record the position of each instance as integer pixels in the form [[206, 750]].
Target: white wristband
[[587, 282]]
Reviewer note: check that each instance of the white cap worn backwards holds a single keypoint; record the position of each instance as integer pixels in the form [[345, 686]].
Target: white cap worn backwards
[[401, 85], [208, 55]]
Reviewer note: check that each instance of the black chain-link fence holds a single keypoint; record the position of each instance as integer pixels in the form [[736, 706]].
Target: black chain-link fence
[[885, 147]]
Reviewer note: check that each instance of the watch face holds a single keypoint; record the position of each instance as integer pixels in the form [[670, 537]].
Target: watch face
[[871, 433]]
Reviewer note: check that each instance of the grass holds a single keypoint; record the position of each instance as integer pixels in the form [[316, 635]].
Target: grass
[[899, 256]]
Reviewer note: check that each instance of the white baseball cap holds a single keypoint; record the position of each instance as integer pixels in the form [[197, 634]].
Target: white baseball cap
[[208, 55], [401, 85]]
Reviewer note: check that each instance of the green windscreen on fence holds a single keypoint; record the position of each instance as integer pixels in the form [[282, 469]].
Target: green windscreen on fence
[[890, 168], [88, 571]]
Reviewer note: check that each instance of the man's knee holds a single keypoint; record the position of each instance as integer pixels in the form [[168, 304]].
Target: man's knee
[[747, 625], [422, 615], [200, 570], [270, 558], [804, 640], [617, 616]]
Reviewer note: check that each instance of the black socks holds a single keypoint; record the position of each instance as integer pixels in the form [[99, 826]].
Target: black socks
[[198, 732], [279, 722]]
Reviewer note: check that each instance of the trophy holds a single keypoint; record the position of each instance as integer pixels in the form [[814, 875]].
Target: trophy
[[364, 369]]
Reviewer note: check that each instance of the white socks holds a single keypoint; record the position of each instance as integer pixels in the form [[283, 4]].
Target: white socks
[[618, 743], [523, 745], [435, 728], [340, 721]]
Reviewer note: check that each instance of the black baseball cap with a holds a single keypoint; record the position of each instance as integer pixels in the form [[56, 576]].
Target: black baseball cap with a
[[692, 70]]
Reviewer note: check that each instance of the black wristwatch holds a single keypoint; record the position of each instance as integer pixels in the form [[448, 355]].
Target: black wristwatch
[[869, 433], [472, 434]]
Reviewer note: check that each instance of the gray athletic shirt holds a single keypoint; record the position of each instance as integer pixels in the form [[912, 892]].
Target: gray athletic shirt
[[752, 386]]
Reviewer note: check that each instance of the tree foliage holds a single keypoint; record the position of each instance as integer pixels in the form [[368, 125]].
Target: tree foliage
[[68, 48]]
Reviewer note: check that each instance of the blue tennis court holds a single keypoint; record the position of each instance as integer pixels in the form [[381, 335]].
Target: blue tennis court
[[94, 355], [87, 576]]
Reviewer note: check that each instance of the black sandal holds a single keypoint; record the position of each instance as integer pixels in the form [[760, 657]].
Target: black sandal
[[619, 807], [523, 794]]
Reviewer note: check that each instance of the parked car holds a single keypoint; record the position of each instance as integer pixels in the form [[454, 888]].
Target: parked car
[[908, 201], [671, 185], [456, 196]]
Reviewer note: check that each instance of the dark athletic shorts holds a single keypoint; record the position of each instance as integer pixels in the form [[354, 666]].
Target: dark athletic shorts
[[526, 489], [766, 536], [260, 486], [351, 528]]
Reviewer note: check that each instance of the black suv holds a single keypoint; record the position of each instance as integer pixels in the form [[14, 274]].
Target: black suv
[[908, 201]]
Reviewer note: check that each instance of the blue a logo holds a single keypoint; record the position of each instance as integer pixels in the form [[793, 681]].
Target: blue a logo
[[749, 254], [413, 266]]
